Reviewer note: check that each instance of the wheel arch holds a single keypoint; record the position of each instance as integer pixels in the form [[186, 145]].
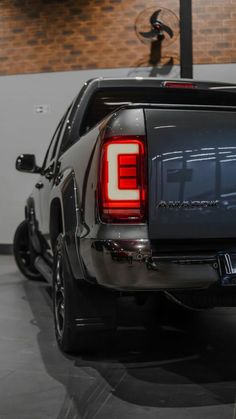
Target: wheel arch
[[56, 220], [63, 219]]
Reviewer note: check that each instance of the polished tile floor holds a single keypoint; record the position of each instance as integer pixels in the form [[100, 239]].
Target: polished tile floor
[[182, 369]]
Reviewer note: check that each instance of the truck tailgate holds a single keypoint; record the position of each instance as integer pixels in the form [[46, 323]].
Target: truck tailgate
[[192, 173]]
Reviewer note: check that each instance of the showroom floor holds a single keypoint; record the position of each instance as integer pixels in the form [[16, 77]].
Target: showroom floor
[[181, 372]]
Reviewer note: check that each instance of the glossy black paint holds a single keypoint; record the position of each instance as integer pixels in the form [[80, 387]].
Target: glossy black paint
[[65, 195], [27, 163], [192, 165], [71, 221]]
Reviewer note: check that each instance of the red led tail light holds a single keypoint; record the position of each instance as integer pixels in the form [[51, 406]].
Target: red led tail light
[[122, 180]]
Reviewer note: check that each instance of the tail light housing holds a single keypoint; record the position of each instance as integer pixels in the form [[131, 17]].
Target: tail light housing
[[122, 190]]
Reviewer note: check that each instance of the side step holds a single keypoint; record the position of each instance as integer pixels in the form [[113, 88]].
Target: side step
[[45, 270]]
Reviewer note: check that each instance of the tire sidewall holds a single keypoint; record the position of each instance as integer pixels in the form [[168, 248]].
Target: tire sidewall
[[28, 271], [67, 337]]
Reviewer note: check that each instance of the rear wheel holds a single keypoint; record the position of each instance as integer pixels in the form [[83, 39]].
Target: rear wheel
[[84, 314], [24, 253]]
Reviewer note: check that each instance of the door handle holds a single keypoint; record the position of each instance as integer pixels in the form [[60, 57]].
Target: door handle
[[39, 185]]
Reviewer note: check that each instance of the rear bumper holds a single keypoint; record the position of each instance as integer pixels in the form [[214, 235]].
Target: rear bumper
[[129, 265]]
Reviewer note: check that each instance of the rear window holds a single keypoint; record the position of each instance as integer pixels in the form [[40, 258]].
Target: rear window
[[106, 100]]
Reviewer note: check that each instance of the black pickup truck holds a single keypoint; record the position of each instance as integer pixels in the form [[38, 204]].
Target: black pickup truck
[[137, 197]]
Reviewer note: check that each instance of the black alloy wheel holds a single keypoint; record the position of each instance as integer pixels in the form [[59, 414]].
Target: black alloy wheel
[[64, 300], [24, 253], [78, 308]]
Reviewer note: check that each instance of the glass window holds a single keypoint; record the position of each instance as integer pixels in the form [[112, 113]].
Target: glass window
[[71, 134], [51, 152], [52, 146]]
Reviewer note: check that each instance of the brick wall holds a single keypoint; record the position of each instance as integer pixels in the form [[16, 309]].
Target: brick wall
[[61, 35], [214, 31]]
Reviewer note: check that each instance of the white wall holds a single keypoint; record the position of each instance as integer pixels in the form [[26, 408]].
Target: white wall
[[215, 72], [24, 131]]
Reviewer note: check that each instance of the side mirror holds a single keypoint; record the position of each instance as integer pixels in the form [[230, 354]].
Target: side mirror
[[27, 163]]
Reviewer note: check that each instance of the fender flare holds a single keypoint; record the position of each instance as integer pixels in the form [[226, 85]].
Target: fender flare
[[69, 223]]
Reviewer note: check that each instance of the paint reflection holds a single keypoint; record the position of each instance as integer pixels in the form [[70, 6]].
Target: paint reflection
[[197, 174]]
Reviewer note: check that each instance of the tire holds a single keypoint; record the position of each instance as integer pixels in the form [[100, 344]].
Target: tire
[[24, 253], [84, 314]]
